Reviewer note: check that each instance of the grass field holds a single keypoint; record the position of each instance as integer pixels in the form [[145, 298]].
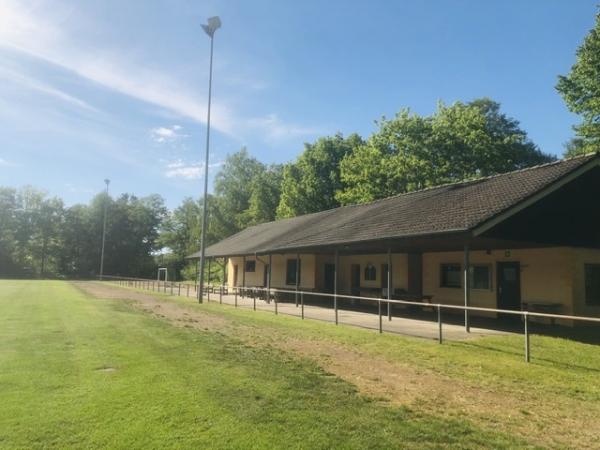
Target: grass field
[[79, 371]]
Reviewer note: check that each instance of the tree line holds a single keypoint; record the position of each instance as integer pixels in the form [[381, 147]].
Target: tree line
[[41, 237]]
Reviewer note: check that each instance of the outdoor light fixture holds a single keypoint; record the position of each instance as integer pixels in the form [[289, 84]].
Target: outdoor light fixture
[[214, 23]]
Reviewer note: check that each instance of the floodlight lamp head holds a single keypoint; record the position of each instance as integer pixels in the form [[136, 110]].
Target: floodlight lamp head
[[107, 181], [214, 23]]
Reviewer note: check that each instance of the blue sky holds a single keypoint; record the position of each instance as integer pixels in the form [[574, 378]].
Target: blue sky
[[117, 89]]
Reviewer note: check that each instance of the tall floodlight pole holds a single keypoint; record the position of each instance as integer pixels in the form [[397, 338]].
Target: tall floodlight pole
[[214, 23], [107, 181]]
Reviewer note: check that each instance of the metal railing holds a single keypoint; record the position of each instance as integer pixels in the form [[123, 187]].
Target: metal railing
[[272, 295]]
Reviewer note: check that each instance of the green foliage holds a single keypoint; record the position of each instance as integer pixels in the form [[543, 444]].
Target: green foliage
[[581, 91], [311, 182], [39, 237], [458, 142]]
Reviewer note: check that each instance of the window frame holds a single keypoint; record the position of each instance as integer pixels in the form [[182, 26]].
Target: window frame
[[472, 277], [589, 299], [250, 263], [297, 269], [371, 271], [443, 278]]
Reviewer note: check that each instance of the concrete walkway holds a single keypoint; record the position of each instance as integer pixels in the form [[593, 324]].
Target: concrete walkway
[[398, 324]]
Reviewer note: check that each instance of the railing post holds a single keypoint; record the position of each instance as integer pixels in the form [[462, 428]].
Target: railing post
[[208, 292], [235, 290], [302, 303], [254, 299], [379, 312], [220, 295], [467, 286], [297, 277], [389, 284], [526, 324], [165, 287], [439, 319], [275, 300], [336, 263], [187, 291]]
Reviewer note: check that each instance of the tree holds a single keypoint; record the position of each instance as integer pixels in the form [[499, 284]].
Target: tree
[[265, 196], [458, 142], [581, 91], [310, 184], [232, 189]]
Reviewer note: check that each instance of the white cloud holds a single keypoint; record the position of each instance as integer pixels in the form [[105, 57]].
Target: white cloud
[[43, 88], [166, 134], [41, 31], [275, 129], [32, 31], [188, 171], [5, 163]]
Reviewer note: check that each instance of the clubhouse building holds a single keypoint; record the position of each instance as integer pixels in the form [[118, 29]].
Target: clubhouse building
[[528, 239]]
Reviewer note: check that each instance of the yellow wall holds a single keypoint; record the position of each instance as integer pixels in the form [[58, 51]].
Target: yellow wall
[[546, 276], [552, 275], [278, 271]]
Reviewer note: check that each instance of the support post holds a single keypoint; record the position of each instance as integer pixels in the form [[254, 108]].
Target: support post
[[302, 303], [297, 277], [244, 277], [380, 319], [389, 284], [439, 319], [467, 286], [269, 281], [526, 325], [208, 283], [336, 263]]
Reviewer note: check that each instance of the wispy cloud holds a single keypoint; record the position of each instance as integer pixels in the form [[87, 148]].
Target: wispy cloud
[[275, 129], [39, 31], [30, 31], [5, 163], [188, 171], [162, 135], [29, 83]]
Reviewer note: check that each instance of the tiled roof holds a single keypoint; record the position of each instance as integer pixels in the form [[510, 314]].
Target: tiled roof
[[448, 208]]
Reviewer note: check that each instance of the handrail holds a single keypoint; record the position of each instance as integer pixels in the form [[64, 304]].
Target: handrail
[[298, 293]]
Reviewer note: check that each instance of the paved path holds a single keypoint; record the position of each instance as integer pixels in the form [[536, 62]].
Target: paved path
[[399, 325]]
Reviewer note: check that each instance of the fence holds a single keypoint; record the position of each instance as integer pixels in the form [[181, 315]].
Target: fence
[[274, 295]]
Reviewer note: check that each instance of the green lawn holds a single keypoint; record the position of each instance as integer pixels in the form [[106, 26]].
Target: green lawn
[[82, 372]]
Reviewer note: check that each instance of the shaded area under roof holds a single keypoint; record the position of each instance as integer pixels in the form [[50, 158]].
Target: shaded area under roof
[[452, 208]]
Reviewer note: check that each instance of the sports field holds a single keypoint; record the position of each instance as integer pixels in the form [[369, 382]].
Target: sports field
[[85, 365]]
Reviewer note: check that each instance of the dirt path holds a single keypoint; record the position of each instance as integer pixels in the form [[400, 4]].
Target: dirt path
[[537, 420]]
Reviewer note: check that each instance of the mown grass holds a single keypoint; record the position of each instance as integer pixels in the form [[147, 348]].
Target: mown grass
[[559, 367], [80, 372]]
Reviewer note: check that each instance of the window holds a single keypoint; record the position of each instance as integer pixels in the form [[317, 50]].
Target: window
[[480, 277], [450, 275], [290, 274], [250, 266], [592, 284], [370, 272]]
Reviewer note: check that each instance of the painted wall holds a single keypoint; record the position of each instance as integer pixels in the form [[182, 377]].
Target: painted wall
[[546, 276], [553, 275], [278, 271]]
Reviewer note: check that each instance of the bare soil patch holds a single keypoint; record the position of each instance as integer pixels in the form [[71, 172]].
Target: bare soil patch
[[537, 419]]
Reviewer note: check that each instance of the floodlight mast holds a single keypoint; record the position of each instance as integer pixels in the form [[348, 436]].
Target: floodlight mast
[[214, 23]]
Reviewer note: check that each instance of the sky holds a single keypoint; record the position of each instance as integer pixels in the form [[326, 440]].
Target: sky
[[118, 89]]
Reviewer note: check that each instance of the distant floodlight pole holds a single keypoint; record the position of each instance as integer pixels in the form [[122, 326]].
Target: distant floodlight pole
[[214, 23], [107, 181]]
